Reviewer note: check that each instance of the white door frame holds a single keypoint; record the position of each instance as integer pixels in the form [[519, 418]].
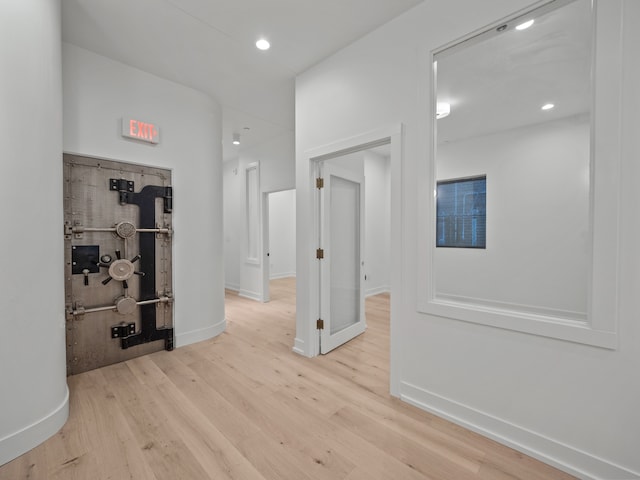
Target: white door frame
[[307, 336], [266, 264]]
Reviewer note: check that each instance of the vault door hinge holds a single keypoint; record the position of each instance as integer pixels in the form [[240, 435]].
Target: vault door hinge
[[320, 324], [319, 183], [319, 253]]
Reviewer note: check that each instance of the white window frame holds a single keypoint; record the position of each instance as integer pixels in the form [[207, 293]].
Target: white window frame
[[600, 327], [252, 208]]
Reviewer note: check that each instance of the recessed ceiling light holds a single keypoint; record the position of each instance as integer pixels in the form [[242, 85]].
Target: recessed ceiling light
[[525, 25], [442, 109], [263, 44], [236, 139], [548, 106]]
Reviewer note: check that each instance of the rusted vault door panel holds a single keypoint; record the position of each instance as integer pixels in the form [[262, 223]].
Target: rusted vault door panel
[[118, 275]]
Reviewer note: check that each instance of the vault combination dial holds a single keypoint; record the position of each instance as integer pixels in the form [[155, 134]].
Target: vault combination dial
[[120, 269]]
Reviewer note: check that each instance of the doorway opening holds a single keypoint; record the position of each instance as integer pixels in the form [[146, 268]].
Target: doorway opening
[[353, 222], [307, 341], [279, 240]]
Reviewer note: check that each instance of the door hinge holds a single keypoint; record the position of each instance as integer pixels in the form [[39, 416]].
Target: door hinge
[[320, 254], [320, 324], [123, 330], [319, 183]]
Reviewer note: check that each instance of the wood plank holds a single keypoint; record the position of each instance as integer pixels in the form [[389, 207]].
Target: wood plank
[[438, 464], [304, 452], [217, 455], [163, 448]]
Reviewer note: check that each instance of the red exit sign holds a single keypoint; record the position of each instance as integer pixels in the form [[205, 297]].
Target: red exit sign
[[139, 130]]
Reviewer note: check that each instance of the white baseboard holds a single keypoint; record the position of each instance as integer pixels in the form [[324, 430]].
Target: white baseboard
[[276, 276], [298, 347], [232, 286], [18, 443], [562, 456], [377, 290], [512, 307], [250, 295], [201, 334]]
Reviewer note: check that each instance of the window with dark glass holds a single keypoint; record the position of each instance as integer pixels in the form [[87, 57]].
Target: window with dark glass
[[461, 206]]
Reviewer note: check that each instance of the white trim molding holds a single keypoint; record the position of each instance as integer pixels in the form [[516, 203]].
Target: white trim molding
[[377, 291], [252, 208], [298, 347], [277, 276], [564, 457], [257, 296], [20, 442], [201, 334]]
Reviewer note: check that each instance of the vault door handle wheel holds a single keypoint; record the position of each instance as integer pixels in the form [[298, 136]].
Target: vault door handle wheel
[[121, 269]]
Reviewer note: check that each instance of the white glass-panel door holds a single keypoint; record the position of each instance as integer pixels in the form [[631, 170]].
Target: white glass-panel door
[[342, 289]]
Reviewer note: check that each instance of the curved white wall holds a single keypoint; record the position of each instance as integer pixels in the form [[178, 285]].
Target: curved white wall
[[98, 92], [34, 397]]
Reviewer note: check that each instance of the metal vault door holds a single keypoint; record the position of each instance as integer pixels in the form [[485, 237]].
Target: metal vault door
[[117, 231]]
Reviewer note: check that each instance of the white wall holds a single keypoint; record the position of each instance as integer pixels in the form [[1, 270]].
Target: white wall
[[572, 405], [233, 190], [34, 396], [538, 249], [97, 93], [377, 212], [282, 234], [277, 162], [377, 224]]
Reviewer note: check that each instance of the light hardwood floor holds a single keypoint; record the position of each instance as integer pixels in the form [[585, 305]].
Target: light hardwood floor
[[243, 406]]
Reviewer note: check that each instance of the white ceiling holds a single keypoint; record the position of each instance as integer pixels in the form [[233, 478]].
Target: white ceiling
[[209, 45], [500, 82]]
